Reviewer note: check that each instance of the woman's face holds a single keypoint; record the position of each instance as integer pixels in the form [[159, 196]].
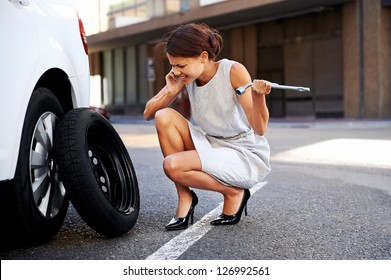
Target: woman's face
[[188, 69]]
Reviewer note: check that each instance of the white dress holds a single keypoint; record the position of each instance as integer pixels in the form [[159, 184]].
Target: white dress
[[229, 149]]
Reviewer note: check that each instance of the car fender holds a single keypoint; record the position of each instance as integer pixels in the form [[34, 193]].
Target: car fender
[[79, 95]]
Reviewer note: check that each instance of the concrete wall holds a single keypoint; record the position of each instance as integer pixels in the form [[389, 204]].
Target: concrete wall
[[367, 60], [377, 53], [305, 51]]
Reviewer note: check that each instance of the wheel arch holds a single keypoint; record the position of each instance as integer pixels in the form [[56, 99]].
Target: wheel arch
[[57, 81]]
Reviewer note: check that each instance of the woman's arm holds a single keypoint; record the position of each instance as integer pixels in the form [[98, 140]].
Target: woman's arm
[[253, 101], [165, 96]]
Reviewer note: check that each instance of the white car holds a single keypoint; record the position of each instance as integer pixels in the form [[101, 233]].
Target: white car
[[44, 73]]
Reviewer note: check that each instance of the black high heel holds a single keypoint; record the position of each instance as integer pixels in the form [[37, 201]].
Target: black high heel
[[235, 218], [183, 223]]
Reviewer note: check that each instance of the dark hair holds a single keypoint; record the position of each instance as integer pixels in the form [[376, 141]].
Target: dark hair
[[190, 40]]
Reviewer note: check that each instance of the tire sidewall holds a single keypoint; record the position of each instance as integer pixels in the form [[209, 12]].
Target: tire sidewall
[[79, 179]]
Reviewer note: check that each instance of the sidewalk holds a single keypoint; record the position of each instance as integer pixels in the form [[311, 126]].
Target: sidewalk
[[354, 123], [277, 122]]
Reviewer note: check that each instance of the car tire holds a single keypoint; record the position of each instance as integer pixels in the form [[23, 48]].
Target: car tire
[[38, 202], [97, 172]]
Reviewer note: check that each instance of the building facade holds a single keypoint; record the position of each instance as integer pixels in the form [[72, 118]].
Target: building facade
[[341, 49]]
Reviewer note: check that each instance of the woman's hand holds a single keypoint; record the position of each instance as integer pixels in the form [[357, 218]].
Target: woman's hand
[[174, 83], [166, 95], [261, 87]]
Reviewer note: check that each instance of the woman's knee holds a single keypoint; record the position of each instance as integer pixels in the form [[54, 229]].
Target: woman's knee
[[177, 165], [164, 117], [171, 167]]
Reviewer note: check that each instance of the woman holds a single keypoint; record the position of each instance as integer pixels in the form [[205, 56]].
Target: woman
[[225, 152]]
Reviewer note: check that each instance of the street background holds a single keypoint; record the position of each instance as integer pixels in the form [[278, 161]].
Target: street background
[[328, 197]]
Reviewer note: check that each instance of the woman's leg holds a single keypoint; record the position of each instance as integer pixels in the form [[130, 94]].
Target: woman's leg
[[183, 166], [174, 136]]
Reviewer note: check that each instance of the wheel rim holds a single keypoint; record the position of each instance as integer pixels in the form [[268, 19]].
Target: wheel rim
[[48, 190], [112, 173]]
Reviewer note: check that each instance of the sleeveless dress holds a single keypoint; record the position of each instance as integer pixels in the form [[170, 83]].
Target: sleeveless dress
[[229, 149]]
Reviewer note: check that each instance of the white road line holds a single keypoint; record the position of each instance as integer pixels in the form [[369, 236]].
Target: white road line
[[180, 243]]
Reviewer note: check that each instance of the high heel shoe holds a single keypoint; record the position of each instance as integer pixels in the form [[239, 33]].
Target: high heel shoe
[[224, 219], [183, 223]]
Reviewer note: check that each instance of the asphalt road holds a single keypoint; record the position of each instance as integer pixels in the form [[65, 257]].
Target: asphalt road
[[328, 197]]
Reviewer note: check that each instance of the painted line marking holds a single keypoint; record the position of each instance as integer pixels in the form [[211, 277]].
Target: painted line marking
[[174, 248]]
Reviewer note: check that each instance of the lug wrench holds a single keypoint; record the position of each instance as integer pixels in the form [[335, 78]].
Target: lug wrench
[[242, 89]]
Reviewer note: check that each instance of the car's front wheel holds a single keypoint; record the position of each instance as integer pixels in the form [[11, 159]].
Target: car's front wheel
[[37, 202]]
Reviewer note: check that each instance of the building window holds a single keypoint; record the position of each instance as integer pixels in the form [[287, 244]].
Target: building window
[[131, 12], [107, 78], [131, 76], [119, 75], [210, 2]]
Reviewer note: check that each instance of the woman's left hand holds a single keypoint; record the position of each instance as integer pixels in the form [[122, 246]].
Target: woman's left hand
[[261, 87]]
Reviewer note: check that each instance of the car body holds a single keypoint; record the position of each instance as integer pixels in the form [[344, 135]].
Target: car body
[[44, 60]]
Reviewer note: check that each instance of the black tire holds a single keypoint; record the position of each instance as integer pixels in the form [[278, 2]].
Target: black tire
[[37, 202], [97, 172]]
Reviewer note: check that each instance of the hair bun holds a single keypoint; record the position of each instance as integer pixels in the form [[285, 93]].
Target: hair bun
[[216, 42], [190, 40]]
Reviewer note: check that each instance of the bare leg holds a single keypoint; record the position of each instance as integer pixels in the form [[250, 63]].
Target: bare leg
[[183, 166], [174, 136]]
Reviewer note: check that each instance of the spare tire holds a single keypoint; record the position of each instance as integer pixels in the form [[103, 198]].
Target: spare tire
[[97, 172]]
